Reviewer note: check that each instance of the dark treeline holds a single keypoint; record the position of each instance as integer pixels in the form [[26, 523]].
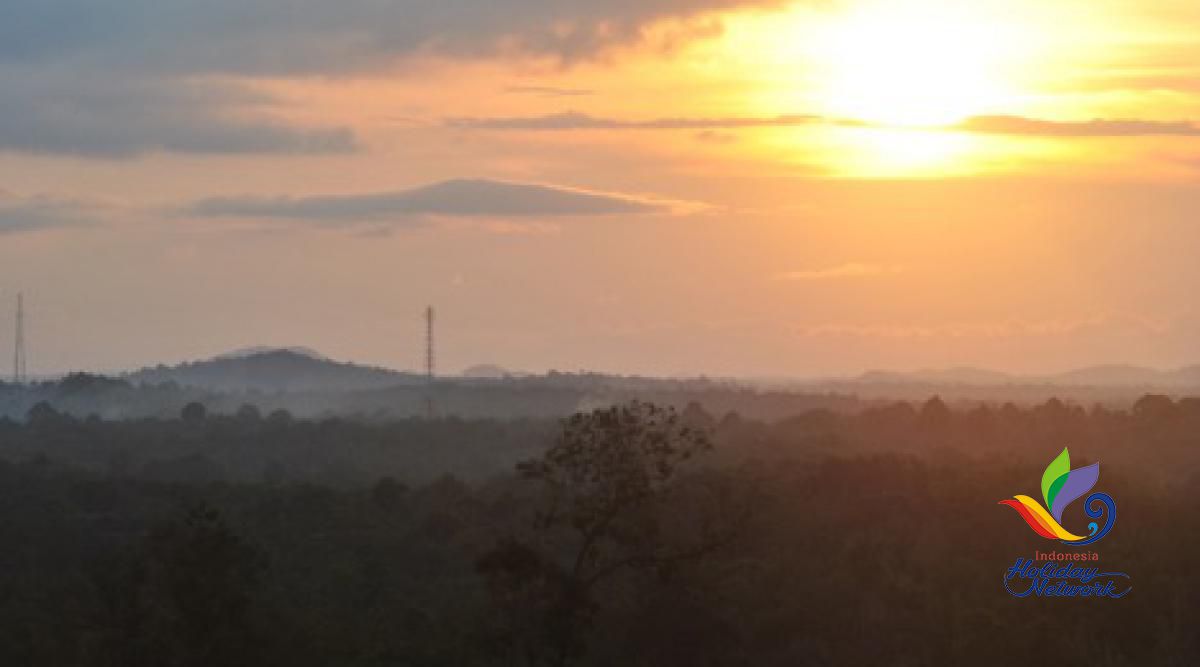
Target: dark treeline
[[634, 535], [249, 446], [549, 396]]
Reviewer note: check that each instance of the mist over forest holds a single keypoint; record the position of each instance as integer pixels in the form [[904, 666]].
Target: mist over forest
[[306, 384], [282, 509]]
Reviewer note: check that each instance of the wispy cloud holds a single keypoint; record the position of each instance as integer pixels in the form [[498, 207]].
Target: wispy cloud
[[1009, 125], [574, 120], [715, 137], [984, 329], [1019, 125], [549, 91], [41, 213], [463, 198], [850, 270]]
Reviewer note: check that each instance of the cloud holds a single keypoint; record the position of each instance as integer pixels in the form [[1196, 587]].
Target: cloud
[[42, 213], [1018, 125], [125, 77], [70, 113], [574, 120], [715, 137], [1012, 328], [479, 198], [850, 270], [273, 37], [1010, 125], [549, 91]]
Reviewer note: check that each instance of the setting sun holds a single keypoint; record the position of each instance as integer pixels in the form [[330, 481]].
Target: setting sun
[[932, 65], [890, 82]]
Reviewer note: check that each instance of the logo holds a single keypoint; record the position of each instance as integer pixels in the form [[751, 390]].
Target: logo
[[1062, 486], [1042, 575]]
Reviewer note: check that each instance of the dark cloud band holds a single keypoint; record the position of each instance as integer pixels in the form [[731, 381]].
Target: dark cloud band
[[64, 112], [119, 78], [270, 37]]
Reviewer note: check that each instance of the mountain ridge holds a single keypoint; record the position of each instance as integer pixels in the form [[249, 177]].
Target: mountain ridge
[[262, 368], [273, 370], [1100, 375]]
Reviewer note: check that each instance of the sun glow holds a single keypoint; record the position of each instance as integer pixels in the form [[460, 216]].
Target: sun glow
[[907, 152], [888, 80], [931, 63]]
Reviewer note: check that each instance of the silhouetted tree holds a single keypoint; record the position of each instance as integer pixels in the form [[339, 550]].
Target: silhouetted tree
[[249, 413], [605, 483], [280, 417], [42, 413], [529, 592], [1154, 407], [388, 494], [193, 413], [935, 413], [182, 598], [199, 580]]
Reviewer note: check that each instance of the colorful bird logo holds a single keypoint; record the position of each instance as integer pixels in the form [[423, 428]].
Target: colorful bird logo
[[1061, 486]]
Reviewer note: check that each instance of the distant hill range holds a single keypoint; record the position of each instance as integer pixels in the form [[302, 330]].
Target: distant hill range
[[301, 369], [265, 369], [265, 349], [308, 384], [489, 372], [1114, 375]]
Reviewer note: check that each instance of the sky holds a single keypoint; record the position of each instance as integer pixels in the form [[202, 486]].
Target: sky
[[666, 187]]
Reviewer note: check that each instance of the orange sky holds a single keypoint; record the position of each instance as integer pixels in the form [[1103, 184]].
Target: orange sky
[[674, 186]]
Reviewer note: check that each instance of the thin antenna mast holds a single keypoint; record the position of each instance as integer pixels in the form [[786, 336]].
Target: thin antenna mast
[[429, 362], [20, 364], [429, 350]]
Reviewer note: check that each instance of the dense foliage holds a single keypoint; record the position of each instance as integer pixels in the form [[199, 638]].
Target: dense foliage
[[823, 538]]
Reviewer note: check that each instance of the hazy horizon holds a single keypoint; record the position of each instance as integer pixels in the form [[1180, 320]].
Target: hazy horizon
[[915, 374]]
